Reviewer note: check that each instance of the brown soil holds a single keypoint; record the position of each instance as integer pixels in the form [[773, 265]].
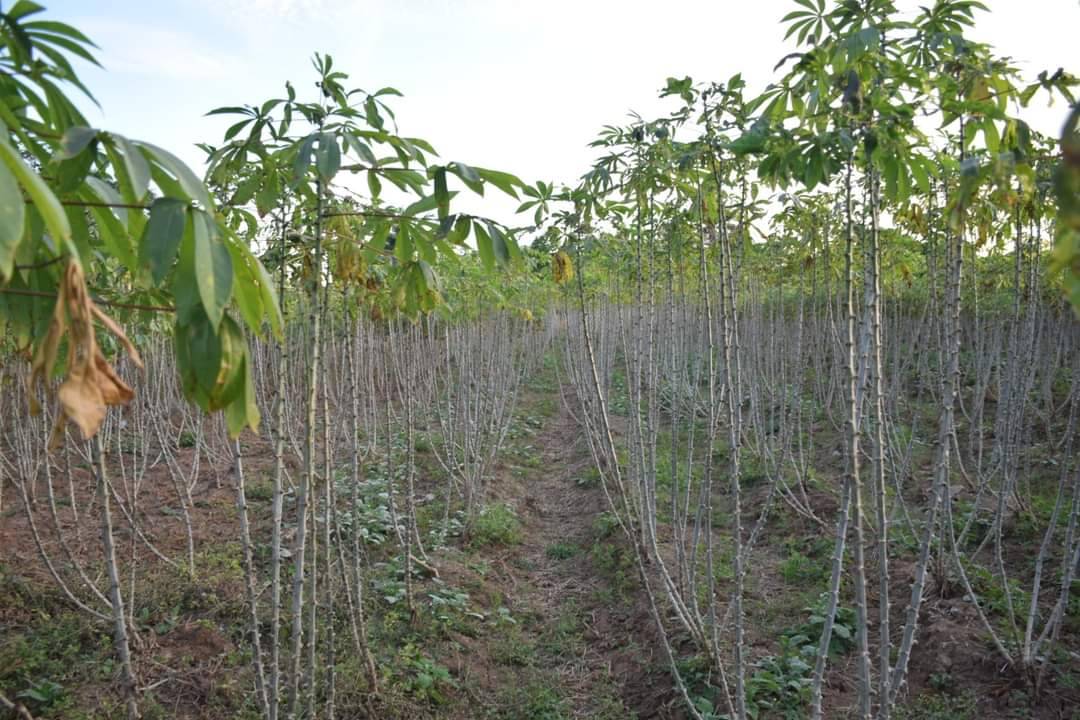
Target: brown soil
[[588, 639], [609, 667]]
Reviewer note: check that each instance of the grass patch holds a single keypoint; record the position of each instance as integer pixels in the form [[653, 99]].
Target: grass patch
[[934, 706], [616, 565], [495, 525], [799, 570], [563, 637], [63, 650], [262, 491], [511, 647], [537, 700], [561, 551]]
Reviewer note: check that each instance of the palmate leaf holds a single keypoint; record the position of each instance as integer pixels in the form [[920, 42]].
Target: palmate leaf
[[403, 244], [100, 191], [460, 231], [328, 156], [232, 110], [243, 411], [422, 144], [214, 369], [467, 175], [213, 267], [442, 196], [499, 244], [371, 111], [251, 280], [406, 180], [374, 184], [429, 203], [355, 128], [115, 237], [74, 141], [162, 236], [185, 289], [808, 23], [502, 180], [484, 246], [235, 128], [37, 42], [136, 166], [302, 159], [47, 152], [361, 148], [40, 194], [12, 217], [191, 186], [1067, 188]]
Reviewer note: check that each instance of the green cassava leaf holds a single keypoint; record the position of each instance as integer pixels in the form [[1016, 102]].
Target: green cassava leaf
[[74, 140], [189, 182], [302, 161], [502, 180], [12, 219], [468, 175], [162, 236], [138, 169], [52, 212], [442, 196], [213, 267], [484, 246], [328, 156]]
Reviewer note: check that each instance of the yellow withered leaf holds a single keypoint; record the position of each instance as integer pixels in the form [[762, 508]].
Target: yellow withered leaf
[[562, 269], [83, 402], [91, 384]]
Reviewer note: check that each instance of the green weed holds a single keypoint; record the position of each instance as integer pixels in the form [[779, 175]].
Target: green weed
[[799, 570], [561, 551], [495, 525], [933, 706]]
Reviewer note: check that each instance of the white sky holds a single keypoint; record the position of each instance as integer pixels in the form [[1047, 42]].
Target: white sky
[[511, 85]]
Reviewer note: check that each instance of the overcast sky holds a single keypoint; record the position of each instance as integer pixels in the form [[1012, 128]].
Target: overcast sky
[[512, 85]]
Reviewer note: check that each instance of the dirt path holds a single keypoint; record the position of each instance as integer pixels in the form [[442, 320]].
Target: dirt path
[[582, 641]]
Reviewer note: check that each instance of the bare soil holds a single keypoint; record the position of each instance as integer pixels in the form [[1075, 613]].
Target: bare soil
[[577, 642]]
